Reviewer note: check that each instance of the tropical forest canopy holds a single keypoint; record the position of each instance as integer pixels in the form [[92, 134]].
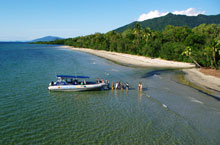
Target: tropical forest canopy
[[199, 45]]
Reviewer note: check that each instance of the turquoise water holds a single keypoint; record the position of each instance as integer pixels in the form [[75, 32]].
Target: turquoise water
[[30, 114]]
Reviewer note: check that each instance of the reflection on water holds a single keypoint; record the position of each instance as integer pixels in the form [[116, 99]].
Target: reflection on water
[[140, 95], [164, 112]]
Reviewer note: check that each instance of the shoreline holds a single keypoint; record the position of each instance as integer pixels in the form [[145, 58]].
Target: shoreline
[[134, 60], [204, 80], [192, 74]]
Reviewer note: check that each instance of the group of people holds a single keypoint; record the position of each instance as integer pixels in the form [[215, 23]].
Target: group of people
[[71, 82], [101, 81], [75, 82], [120, 85], [83, 82]]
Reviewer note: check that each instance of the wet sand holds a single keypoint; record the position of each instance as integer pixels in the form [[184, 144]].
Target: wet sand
[[207, 81]]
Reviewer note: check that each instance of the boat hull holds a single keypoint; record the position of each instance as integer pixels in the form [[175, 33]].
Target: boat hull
[[76, 87]]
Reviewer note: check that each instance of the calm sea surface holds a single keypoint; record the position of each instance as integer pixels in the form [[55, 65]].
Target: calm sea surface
[[30, 114]]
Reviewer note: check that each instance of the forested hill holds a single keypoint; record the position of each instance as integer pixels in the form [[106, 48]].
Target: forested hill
[[175, 20]]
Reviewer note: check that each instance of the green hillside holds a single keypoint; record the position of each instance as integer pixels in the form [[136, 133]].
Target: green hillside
[[175, 20]]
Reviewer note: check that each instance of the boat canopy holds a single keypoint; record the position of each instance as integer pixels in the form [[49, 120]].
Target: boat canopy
[[67, 76]]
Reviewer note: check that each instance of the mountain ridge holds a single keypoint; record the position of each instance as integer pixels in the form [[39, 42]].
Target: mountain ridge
[[176, 20], [46, 38]]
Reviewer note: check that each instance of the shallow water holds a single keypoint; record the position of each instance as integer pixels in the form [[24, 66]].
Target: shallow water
[[165, 112]]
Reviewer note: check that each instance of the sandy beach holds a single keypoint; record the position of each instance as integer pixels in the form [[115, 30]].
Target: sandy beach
[[192, 74], [206, 81], [128, 59]]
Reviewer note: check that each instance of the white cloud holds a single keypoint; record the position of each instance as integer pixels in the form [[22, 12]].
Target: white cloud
[[151, 14], [156, 13], [189, 12]]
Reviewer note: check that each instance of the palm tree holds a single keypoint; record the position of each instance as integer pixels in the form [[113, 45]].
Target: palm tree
[[137, 40], [146, 33], [215, 49], [188, 52], [137, 29]]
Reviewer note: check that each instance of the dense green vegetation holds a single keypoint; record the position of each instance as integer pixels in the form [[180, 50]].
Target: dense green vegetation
[[200, 45], [175, 20]]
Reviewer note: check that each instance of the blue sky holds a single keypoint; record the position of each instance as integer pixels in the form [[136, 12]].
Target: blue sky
[[22, 20]]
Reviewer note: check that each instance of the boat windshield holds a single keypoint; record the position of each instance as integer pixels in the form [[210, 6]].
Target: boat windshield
[[70, 80]]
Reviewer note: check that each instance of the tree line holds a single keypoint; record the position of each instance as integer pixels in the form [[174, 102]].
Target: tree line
[[199, 45]]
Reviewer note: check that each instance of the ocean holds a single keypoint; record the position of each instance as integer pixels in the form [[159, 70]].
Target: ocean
[[165, 112]]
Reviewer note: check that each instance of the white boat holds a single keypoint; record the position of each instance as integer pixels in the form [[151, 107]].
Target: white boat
[[71, 83]]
